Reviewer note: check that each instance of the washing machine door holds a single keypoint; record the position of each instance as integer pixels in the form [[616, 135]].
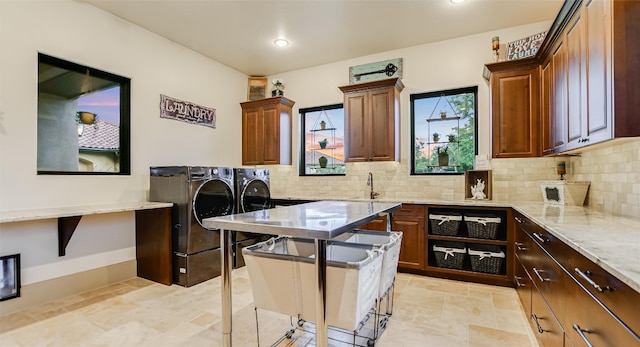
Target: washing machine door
[[213, 198], [255, 196]]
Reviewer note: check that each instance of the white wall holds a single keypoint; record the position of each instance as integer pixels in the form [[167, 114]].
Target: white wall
[[81, 33]]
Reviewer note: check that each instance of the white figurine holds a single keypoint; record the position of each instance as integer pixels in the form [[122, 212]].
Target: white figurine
[[477, 191]]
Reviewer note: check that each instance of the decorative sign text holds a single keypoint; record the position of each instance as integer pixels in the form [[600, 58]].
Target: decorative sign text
[[187, 112], [525, 47]]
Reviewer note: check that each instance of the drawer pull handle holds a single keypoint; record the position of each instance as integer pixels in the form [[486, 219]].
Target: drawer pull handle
[[537, 272], [517, 279], [585, 276], [519, 220], [520, 246], [535, 319], [540, 238], [581, 332]]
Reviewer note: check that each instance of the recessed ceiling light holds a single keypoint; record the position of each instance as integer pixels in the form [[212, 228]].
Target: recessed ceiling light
[[281, 42], [457, 1]]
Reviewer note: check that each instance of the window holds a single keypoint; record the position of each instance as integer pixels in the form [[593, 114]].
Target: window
[[83, 119], [444, 131], [322, 142]]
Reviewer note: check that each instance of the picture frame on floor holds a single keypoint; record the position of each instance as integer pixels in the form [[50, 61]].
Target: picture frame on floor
[[9, 277]]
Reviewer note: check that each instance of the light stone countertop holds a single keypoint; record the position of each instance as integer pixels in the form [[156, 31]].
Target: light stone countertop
[[69, 211], [609, 240]]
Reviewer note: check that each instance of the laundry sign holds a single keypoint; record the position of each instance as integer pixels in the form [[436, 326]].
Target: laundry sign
[[187, 112], [525, 47]]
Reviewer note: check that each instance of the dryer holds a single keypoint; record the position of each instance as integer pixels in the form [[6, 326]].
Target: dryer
[[197, 192], [253, 193]]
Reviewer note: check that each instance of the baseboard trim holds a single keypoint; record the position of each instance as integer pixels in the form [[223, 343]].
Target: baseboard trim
[[41, 292]]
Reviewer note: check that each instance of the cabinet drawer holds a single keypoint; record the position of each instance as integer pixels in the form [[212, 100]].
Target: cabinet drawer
[[619, 298], [587, 323], [410, 210], [546, 240], [548, 277], [522, 281], [545, 325]]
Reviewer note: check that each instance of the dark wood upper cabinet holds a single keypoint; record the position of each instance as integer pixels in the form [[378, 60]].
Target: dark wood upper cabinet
[[588, 91], [515, 115], [372, 120], [266, 131]]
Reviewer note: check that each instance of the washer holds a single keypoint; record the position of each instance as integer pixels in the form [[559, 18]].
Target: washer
[[198, 192], [253, 193]]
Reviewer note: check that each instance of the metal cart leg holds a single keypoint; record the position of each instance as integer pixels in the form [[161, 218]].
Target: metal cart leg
[[321, 293], [227, 260]]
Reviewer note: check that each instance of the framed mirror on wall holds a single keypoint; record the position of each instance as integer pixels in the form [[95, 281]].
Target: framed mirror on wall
[[83, 119]]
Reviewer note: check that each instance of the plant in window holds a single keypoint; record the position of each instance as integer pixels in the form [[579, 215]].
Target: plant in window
[[452, 137], [436, 137], [443, 155], [323, 144]]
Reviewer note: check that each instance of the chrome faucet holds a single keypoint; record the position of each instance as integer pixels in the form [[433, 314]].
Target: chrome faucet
[[372, 194]]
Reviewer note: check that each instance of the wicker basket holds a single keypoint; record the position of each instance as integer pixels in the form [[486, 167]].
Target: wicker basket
[[449, 254], [486, 258], [482, 227], [442, 224]]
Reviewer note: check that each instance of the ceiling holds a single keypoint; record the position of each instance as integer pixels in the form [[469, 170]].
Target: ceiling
[[240, 34]]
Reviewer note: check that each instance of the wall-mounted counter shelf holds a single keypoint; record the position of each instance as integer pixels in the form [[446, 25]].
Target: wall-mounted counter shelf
[[69, 217]]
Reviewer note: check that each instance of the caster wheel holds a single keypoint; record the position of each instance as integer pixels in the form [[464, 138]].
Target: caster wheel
[[289, 333], [301, 322], [371, 343]]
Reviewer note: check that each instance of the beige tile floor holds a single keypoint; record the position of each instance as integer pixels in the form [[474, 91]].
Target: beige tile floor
[[427, 312]]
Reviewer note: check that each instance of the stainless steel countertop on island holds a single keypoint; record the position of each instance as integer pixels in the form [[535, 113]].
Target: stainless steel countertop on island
[[317, 220]]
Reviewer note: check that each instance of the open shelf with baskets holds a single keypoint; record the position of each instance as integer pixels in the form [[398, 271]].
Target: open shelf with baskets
[[469, 243]]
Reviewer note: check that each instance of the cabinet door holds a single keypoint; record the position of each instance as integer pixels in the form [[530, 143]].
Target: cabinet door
[[381, 125], [559, 98], [576, 81], [412, 252], [379, 224], [356, 127], [546, 111], [514, 105], [271, 135], [598, 31], [252, 130]]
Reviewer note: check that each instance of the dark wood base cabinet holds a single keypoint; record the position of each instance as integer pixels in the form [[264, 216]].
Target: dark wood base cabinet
[[573, 301], [153, 245]]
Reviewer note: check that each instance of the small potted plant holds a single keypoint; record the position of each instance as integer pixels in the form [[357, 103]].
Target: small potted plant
[[323, 144], [443, 156], [278, 87], [323, 125], [323, 161], [452, 137], [436, 137]]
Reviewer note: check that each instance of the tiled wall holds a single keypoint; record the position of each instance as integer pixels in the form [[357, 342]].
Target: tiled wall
[[613, 169]]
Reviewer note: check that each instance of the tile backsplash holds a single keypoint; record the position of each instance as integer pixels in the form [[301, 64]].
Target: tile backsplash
[[613, 169]]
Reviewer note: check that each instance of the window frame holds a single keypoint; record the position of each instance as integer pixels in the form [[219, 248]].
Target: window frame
[[302, 159], [447, 92], [124, 151]]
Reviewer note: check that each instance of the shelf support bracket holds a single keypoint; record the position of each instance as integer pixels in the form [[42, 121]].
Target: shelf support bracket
[[66, 228]]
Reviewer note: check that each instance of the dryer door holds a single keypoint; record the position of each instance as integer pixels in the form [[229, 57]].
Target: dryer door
[[255, 196], [213, 198]]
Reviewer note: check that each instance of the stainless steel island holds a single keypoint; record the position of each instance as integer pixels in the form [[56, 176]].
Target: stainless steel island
[[321, 221]]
